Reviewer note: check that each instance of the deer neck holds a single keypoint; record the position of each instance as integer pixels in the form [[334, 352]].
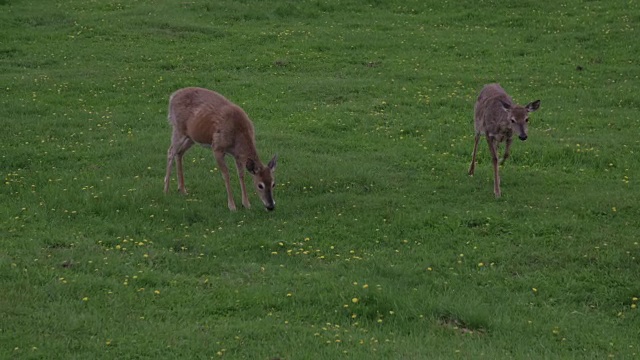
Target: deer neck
[[246, 150]]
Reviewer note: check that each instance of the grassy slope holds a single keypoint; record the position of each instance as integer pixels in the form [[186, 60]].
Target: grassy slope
[[368, 105]]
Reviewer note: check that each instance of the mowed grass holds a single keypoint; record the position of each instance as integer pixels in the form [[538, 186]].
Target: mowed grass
[[381, 246]]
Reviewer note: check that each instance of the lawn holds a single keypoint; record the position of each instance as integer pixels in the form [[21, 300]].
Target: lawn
[[381, 246]]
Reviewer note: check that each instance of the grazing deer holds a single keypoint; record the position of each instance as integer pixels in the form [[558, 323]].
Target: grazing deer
[[497, 117], [205, 117]]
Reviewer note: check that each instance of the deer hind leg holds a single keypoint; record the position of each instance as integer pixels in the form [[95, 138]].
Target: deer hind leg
[[167, 177], [493, 147], [507, 149], [472, 167], [243, 188], [219, 155], [185, 146], [179, 145]]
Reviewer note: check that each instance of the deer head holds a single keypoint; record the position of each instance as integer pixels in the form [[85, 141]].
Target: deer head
[[519, 116], [263, 180]]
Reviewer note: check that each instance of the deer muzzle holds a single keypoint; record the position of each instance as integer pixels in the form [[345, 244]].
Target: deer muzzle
[[522, 130], [269, 203]]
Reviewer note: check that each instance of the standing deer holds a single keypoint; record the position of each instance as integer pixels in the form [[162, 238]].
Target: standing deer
[[497, 117], [205, 117]]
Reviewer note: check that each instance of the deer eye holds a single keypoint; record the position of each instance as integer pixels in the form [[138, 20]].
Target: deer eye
[[261, 186], [526, 120], [273, 185], [513, 121]]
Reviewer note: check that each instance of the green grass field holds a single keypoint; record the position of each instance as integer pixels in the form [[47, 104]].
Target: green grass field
[[381, 246]]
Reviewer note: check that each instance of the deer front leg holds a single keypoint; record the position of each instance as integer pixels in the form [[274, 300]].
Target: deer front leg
[[243, 188], [493, 147], [507, 148], [219, 155], [472, 167]]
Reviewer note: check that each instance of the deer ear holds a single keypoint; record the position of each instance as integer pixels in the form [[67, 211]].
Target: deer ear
[[272, 163], [533, 106], [251, 166], [505, 106]]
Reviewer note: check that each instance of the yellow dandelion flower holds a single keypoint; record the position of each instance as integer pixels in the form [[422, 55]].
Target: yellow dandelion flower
[[355, 300], [85, 298], [157, 292]]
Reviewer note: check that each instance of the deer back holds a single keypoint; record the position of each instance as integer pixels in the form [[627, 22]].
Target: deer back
[[490, 115], [208, 118]]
